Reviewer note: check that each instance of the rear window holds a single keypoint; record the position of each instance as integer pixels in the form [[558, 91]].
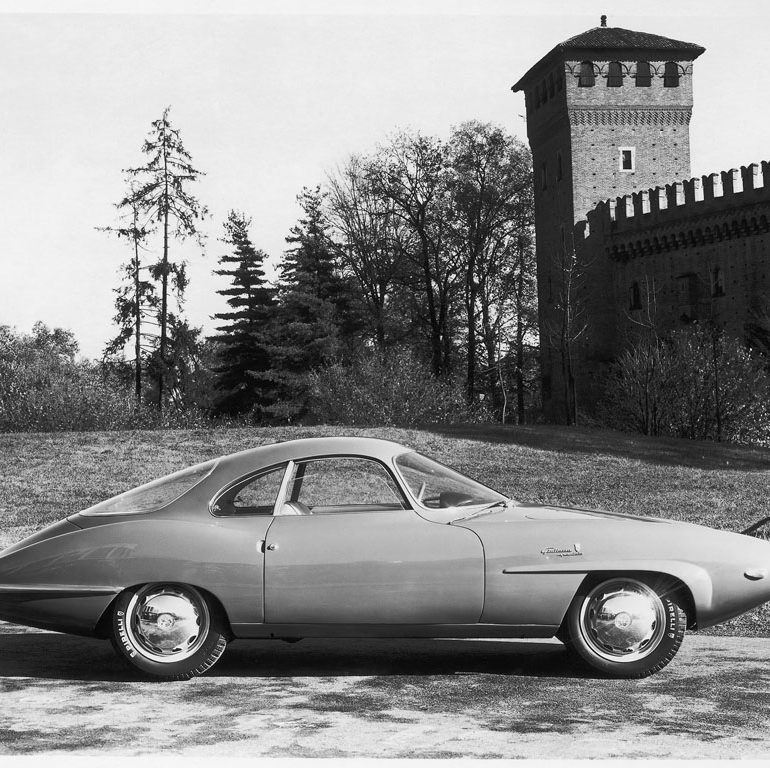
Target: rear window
[[153, 495]]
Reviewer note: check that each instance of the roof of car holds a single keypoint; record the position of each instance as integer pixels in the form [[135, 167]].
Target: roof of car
[[308, 448]]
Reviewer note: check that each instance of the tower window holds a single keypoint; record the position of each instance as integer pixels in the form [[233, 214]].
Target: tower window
[[559, 168], [615, 75], [635, 297], [643, 74], [717, 289], [627, 158], [587, 78], [671, 75], [543, 175], [551, 86]]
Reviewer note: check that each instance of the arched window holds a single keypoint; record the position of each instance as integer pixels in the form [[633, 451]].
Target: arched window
[[671, 75], [614, 75], [544, 91], [643, 74], [586, 79], [551, 86]]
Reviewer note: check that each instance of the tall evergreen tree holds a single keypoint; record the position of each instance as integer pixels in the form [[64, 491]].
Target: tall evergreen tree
[[161, 194], [317, 317], [136, 300], [243, 337]]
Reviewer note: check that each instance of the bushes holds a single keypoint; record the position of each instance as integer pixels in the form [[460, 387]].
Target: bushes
[[43, 388], [698, 384], [393, 391]]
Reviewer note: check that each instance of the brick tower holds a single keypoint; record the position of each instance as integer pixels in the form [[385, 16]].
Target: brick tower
[[608, 113]]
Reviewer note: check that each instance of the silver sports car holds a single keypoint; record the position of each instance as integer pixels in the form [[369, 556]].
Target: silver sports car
[[357, 537]]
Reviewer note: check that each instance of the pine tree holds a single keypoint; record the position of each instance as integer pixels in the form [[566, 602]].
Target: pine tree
[[161, 194], [317, 316], [135, 301], [243, 338]]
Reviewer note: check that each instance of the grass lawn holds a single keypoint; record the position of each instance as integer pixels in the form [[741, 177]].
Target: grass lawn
[[46, 476]]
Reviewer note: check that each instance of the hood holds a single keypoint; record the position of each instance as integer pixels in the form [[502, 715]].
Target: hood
[[547, 512]]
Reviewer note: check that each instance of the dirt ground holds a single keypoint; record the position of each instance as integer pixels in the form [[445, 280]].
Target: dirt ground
[[396, 698]]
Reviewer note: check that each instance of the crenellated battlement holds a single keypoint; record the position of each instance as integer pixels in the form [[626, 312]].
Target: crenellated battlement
[[666, 206]]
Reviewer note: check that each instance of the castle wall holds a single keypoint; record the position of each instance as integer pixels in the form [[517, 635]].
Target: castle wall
[[696, 250]]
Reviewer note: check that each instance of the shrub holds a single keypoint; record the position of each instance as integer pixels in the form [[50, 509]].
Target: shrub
[[697, 384], [396, 390], [43, 388]]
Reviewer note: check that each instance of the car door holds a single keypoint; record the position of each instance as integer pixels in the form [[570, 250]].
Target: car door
[[351, 551], [243, 513]]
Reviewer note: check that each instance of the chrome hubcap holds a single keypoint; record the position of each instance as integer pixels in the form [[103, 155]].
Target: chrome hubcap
[[167, 623], [622, 620]]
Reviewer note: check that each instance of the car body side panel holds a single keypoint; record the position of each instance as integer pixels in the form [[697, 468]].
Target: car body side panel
[[529, 598], [222, 556], [288, 631], [389, 567], [529, 559], [77, 615]]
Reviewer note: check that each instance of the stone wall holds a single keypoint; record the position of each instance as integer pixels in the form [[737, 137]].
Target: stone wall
[[692, 250]]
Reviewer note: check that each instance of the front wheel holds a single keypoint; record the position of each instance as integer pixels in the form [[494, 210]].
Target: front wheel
[[167, 630], [626, 627]]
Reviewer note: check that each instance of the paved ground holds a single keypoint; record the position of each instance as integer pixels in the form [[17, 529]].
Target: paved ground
[[417, 698]]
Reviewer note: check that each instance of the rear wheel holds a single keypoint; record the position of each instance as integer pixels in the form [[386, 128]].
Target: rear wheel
[[167, 630], [626, 627]]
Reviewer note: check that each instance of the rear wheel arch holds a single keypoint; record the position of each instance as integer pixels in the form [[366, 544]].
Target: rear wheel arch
[[103, 629]]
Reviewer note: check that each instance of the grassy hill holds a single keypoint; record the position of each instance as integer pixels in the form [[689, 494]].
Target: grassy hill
[[44, 477]]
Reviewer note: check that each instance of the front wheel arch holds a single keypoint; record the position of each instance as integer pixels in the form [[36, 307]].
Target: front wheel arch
[[678, 587]]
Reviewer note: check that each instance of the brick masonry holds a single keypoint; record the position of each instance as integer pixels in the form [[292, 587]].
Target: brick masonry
[[615, 241]]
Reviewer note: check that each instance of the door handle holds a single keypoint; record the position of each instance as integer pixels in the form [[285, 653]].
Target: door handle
[[272, 547]]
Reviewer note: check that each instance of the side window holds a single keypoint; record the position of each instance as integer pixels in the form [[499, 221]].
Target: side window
[[256, 496], [343, 484]]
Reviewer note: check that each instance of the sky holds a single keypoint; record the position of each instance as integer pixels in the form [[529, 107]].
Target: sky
[[271, 96]]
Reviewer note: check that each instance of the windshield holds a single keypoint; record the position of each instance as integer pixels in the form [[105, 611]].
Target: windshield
[[436, 486], [154, 495]]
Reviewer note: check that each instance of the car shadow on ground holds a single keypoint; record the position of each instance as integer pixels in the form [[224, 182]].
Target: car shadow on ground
[[53, 656], [699, 454]]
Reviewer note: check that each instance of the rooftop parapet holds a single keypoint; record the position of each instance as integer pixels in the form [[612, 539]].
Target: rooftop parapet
[[663, 205]]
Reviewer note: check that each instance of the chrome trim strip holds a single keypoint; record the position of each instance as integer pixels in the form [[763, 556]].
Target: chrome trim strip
[[56, 590]]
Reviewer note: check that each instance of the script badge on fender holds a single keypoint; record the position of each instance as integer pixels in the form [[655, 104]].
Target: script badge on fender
[[574, 551]]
